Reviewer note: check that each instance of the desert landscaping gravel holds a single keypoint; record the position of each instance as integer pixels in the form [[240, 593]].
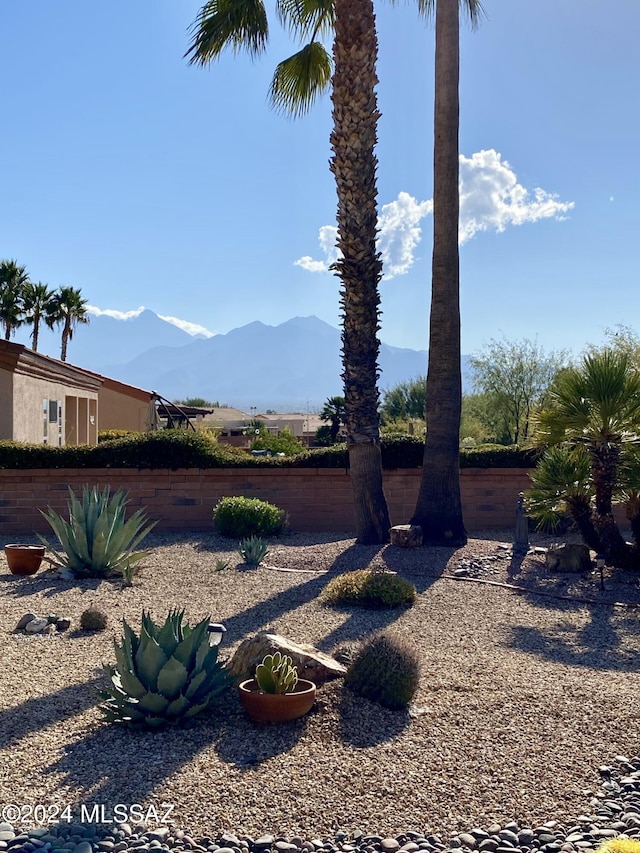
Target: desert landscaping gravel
[[527, 706]]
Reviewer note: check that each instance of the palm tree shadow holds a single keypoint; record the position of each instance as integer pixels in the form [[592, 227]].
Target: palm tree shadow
[[596, 645], [362, 622], [246, 744], [36, 714]]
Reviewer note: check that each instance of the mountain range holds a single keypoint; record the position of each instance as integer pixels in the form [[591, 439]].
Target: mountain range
[[294, 366]]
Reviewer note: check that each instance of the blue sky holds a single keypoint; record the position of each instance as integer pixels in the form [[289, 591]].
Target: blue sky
[[147, 182]]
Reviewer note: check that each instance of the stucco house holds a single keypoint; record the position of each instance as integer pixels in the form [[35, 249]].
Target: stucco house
[[46, 401]]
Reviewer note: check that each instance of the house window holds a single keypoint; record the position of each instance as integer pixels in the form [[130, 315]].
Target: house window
[[45, 421]]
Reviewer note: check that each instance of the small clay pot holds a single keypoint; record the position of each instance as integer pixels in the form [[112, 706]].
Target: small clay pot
[[276, 707], [24, 559]]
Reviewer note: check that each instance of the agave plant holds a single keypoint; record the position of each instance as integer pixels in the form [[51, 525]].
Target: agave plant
[[97, 542], [168, 674], [276, 674], [253, 550]]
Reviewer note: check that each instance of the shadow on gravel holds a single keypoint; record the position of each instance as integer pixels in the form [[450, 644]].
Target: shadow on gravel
[[145, 758], [596, 645], [36, 714], [48, 584], [422, 574], [363, 622], [364, 723], [267, 611]]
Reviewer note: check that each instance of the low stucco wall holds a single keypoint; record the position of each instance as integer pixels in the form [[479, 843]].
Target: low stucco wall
[[316, 499]]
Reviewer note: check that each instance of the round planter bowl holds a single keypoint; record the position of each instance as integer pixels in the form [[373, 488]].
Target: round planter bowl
[[276, 707], [24, 559]]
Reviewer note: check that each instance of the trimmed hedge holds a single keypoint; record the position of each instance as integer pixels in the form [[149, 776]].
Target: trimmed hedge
[[176, 449]]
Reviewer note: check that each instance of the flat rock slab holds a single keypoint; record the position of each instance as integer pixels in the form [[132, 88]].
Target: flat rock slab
[[311, 663], [406, 535]]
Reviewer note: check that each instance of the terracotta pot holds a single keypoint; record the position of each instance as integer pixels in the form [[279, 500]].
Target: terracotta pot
[[276, 707], [24, 559]]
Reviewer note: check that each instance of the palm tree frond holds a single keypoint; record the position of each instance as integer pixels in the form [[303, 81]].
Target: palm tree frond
[[299, 80], [239, 24], [306, 18], [472, 9]]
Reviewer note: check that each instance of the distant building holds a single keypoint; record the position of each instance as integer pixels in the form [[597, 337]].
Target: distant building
[[46, 401]]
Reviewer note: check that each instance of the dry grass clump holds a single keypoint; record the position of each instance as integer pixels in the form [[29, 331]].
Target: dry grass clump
[[369, 588]]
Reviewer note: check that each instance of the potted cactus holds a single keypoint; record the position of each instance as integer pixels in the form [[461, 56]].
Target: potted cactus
[[276, 694]]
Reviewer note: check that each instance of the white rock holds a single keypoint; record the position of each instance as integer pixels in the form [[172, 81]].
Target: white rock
[[36, 626]]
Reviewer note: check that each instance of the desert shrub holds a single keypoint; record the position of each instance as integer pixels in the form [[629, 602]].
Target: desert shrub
[[93, 619], [284, 442], [386, 670], [114, 434], [239, 518], [369, 588]]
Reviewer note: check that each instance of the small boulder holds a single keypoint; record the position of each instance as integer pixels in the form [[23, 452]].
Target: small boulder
[[568, 557], [311, 663], [63, 623], [36, 626], [406, 535], [24, 621]]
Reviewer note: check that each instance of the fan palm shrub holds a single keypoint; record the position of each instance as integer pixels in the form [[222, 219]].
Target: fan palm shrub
[[592, 433], [97, 541]]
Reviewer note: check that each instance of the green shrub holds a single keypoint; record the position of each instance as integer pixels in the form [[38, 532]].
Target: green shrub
[[173, 448], [369, 588], [167, 674], [93, 619], [115, 434], [499, 456], [284, 442], [385, 670], [239, 518]]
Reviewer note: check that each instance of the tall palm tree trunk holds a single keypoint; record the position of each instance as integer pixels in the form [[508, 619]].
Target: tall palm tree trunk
[[66, 329], [353, 139], [439, 507]]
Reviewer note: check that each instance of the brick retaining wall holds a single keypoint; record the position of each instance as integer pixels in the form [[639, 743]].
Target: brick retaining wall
[[317, 499]]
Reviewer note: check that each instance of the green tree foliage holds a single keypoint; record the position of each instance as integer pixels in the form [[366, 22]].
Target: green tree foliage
[[335, 413], [68, 308], [516, 377], [283, 442], [592, 425], [13, 281], [38, 307], [406, 400], [197, 403]]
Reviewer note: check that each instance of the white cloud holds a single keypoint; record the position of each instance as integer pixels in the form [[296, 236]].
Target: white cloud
[[186, 326], [490, 199], [117, 315], [327, 238], [399, 232]]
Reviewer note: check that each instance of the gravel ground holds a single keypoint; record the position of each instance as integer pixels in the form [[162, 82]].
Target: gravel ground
[[522, 696]]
